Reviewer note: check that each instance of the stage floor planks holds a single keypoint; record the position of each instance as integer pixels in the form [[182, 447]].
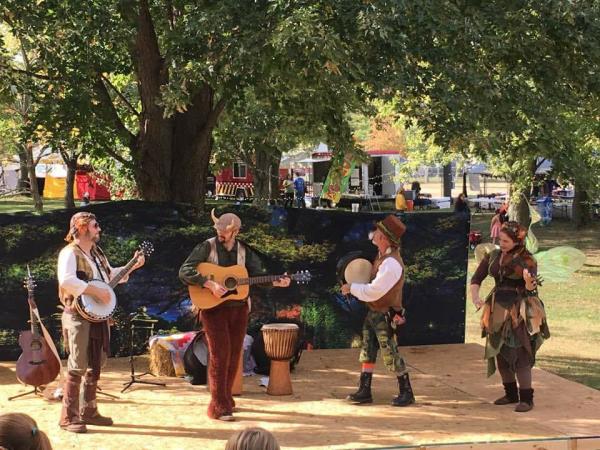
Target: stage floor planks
[[454, 406]]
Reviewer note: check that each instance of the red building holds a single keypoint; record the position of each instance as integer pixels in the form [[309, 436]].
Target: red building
[[236, 181]]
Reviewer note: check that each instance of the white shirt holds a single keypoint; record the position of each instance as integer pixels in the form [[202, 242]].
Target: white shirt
[[67, 272], [388, 275]]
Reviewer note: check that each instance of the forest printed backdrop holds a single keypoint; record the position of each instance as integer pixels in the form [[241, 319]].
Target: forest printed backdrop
[[434, 250]]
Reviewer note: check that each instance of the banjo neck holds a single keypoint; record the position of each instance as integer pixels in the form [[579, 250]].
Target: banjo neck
[[124, 271]]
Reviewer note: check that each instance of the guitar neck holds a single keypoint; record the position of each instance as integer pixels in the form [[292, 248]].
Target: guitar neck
[[32, 318], [124, 271], [259, 280]]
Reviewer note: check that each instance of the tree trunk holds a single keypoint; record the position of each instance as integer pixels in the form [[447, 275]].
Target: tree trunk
[[581, 208], [261, 176], [519, 209], [192, 147], [464, 190], [35, 193], [171, 154], [275, 181], [447, 180], [23, 183], [71, 169]]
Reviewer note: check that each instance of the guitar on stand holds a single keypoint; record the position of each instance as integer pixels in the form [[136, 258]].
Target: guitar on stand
[[235, 279], [39, 363]]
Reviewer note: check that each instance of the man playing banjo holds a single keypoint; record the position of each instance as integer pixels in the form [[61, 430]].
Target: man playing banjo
[[87, 342]]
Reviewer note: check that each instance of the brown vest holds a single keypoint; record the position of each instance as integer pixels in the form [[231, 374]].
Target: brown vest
[[84, 271], [393, 297]]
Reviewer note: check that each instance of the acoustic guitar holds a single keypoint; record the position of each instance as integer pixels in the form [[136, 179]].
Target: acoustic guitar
[[37, 365], [235, 279]]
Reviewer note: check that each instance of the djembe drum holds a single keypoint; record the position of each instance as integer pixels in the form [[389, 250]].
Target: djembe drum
[[280, 343]]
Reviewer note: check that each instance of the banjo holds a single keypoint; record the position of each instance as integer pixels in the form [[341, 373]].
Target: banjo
[[95, 311]]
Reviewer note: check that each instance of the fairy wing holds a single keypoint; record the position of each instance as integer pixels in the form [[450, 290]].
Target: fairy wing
[[559, 263], [531, 242]]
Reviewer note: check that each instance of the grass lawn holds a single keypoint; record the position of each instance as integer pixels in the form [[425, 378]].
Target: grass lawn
[[21, 203], [572, 307]]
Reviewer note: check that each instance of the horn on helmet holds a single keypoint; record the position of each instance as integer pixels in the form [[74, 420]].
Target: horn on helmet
[[231, 226], [213, 217]]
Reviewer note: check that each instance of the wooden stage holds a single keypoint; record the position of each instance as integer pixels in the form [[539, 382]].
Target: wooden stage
[[454, 409]]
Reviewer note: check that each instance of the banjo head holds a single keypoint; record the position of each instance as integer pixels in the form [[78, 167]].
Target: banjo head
[[93, 310]]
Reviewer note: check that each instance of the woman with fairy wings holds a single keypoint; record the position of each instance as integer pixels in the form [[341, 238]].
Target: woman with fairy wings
[[513, 319]]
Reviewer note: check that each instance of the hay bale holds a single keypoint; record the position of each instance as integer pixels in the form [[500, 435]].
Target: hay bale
[[161, 363]]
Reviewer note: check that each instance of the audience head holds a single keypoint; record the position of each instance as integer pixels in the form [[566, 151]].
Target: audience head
[[20, 432], [254, 438]]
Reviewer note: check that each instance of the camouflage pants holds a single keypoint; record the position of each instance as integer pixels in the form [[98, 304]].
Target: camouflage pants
[[375, 336]]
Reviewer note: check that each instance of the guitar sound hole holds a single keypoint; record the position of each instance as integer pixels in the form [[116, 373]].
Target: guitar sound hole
[[230, 283]]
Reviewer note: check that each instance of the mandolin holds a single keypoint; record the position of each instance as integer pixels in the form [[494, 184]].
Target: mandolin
[[37, 365], [235, 279]]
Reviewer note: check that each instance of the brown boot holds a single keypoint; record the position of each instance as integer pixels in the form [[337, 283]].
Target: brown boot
[[69, 415], [89, 411], [526, 400], [511, 394]]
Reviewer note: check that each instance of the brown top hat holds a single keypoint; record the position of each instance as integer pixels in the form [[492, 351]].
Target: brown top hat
[[392, 227]]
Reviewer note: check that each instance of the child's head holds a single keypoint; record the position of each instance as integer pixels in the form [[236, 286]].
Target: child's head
[[19, 431], [254, 438]]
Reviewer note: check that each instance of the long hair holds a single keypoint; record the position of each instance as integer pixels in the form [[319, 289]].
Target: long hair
[[78, 224], [20, 432], [253, 438]]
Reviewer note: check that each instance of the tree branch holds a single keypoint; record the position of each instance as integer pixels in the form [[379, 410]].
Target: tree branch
[[120, 95], [119, 158], [39, 157], [538, 165], [28, 73], [214, 115], [110, 111]]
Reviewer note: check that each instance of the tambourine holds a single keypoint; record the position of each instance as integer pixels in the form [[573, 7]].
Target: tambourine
[[354, 268]]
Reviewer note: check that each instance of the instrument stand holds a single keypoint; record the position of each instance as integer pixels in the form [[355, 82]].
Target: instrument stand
[[35, 391], [139, 321], [99, 391]]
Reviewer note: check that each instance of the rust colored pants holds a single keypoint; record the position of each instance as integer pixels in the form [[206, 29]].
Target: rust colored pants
[[225, 330]]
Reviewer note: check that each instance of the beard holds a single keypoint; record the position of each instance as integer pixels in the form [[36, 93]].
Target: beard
[[94, 237]]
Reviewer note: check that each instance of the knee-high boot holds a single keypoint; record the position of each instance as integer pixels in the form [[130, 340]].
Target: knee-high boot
[[89, 408], [69, 415]]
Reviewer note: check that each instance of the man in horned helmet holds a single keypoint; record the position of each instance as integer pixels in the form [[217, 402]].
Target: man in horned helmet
[[225, 325]]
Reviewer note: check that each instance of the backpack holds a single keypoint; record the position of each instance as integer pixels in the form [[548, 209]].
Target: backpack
[[195, 359]]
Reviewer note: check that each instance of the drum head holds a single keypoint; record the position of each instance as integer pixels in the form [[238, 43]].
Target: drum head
[[358, 271], [280, 326], [354, 268]]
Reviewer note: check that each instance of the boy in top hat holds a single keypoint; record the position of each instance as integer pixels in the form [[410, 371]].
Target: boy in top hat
[[383, 295]]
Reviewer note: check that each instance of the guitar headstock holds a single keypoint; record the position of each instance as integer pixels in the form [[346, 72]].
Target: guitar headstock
[[29, 283], [146, 248], [301, 277]]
